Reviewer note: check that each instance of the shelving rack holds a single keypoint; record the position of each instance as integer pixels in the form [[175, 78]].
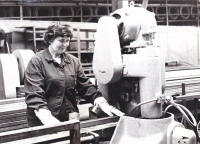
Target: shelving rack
[[64, 10], [175, 12], [167, 12], [81, 46]]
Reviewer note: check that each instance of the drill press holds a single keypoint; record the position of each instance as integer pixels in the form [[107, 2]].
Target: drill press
[[131, 76]]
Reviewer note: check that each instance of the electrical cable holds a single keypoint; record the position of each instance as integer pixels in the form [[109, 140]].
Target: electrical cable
[[142, 103], [183, 111], [190, 114]]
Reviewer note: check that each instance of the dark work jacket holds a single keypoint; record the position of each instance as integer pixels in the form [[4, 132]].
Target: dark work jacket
[[52, 86]]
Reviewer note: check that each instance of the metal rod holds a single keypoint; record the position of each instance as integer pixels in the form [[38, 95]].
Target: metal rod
[[183, 88], [144, 4]]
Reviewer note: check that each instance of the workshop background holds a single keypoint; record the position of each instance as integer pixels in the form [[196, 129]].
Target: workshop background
[[178, 36]]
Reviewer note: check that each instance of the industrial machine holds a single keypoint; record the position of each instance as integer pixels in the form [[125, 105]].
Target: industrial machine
[[5, 39], [131, 76]]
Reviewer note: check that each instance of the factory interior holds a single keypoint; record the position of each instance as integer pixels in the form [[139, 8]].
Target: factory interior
[[143, 56]]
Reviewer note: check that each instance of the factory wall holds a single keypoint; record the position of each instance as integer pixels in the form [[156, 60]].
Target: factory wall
[[177, 43]]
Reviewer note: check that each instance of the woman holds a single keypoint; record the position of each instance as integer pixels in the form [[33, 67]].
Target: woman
[[51, 79]]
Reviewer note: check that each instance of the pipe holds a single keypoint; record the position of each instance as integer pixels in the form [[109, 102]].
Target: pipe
[[3, 12], [82, 139], [194, 12], [185, 12], [151, 9], [13, 12], [43, 11], [173, 13], [160, 10], [65, 11], [100, 11], [86, 11]]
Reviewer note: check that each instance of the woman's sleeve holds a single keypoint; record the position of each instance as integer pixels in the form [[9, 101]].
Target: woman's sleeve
[[34, 85], [85, 88]]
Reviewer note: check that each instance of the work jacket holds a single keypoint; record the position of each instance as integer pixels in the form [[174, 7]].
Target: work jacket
[[52, 86]]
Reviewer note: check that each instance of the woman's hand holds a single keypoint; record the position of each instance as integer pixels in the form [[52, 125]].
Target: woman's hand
[[46, 117], [105, 107]]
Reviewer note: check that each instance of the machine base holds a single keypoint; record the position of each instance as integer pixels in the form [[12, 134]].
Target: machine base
[[156, 131]]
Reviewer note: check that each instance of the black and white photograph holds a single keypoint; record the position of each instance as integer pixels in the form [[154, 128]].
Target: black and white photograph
[[99, 72]]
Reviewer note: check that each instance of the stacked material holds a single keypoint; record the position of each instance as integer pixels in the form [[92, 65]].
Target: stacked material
[[183, 81], [13, 114], [184, 85]]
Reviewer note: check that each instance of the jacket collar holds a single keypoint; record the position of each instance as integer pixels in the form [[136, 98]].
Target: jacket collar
[[49, 57]]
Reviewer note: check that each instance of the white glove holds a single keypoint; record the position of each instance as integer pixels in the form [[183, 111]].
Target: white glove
[[105, 107], [46, 117]]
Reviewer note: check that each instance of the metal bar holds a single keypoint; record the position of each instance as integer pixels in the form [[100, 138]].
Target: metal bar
[[195, 109], [90, 123], [144, 4], [21, 12], [198, 13], [117, 4], [95, 137], [183, 89], [167, 13], [198, 44], [71, 126], [34, 39], [79, 43], [189, 96], [88, 40], [81, 8], [75, 135]]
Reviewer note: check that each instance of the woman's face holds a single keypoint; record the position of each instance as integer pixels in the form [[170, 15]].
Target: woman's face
[[60, 44]]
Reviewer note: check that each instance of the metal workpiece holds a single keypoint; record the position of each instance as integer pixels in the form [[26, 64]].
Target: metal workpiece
[[131, 130]]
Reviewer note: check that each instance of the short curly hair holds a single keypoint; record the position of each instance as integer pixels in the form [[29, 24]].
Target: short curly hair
[[57, 29]]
